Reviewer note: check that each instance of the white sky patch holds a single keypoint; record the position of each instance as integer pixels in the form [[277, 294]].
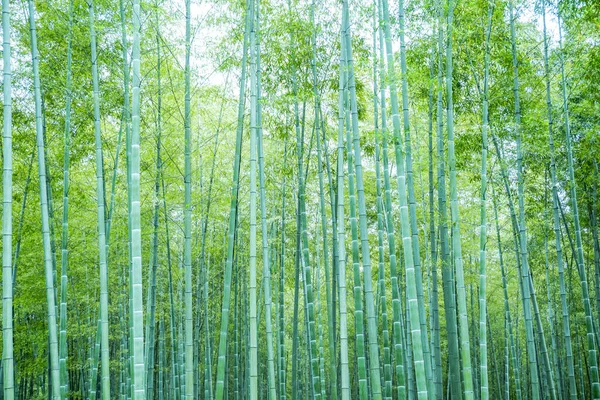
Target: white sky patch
[[529, 14]]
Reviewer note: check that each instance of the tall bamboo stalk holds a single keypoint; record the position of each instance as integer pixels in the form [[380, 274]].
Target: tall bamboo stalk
[[187, 218], [281, 339], [435, 317], [589, 323], [104, 350], [8, 367], [463, 323], [531, 353], [253, 393], [151, 303], [341, 226], [507, 316], [265, 236], [483, 351], [387, 368], [412, 202], [306, 265], [136, 237], [375, 375], [222, 354], [62, 345], [398, 338], [411, 285], [54, 374], [332, 373], [454, 371]]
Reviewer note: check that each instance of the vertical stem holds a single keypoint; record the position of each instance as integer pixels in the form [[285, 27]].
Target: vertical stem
[[48, 256], [531, 352], [103, 266], [483, 228], [463, 323], [222, 355], [375, 376], [136, 233], [7, 176], [187, 217]]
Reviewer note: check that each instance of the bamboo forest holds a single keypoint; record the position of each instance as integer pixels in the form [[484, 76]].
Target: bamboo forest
[[300, 199]]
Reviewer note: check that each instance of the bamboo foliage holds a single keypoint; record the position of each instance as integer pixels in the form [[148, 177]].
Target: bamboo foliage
[[281, 301]]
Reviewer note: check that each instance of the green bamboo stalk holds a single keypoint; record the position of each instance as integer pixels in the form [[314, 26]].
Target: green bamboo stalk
[[546, 373], [174, 363], [532, 358], [222, 354], [398, 340], [236, 345], [281, 342], [208, 369], [48, 256], [253, 391], [295, 335], [412, 203], [103, 267], [355, 175], [334, 258], [161, 360], [387, 368], [551, 134], [136, 239], [17, 251], [187, 218], [463, 323], [514, 342], [589, 323], [507, 317], [151, 303], [94, 355], [359, 329], [435, 318], [8, 367], [319, 321], [454, 372], [483, 351], [62, 349], [264, 232], [594, 224], [341, 228], [411, 284], [306, 265], [375, 375], [551, 322], [332, 373]]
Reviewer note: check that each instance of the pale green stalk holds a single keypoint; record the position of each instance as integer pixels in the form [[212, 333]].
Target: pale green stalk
[[463, 323], [8, 367], [398, 338], [483, 352], [341, 230], [222, 355], [136, 232], [103, 266], [187, 217], [375, 375], [48, 256]]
